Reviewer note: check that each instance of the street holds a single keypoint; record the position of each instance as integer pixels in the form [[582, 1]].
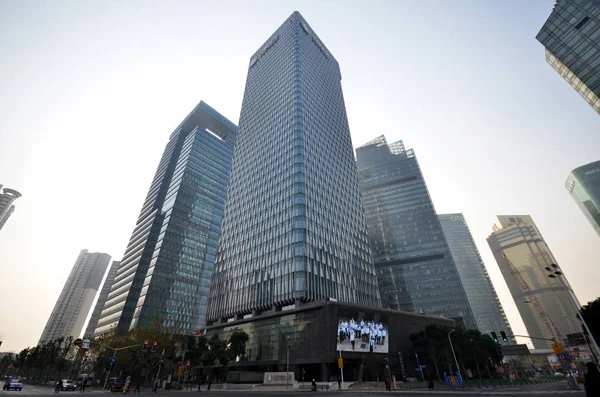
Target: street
[[551, 389]]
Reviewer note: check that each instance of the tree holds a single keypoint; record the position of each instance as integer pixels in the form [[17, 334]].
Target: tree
[[591, 315]]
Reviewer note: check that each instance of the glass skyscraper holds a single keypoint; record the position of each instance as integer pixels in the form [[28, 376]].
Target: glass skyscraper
[[414, 265], [584, 185], [522, 255], [294, 227], [7, 206], [480, 291], [165, 273], [571, 36], [108, 282]]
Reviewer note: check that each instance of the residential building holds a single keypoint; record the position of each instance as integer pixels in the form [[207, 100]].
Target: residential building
[[415, 269], [584, 185], [543, 302], [487, 309], [108, 282], [571, 36], [294, 228], [165, 273], [77, 296], [7, 207]]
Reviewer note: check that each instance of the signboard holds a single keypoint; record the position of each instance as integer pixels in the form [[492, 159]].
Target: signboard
[[77, 342], [85, 344], [180, 370], [576, 339], [278, 378], [515, 350], [113, 360], [557, 348], [340, 363]]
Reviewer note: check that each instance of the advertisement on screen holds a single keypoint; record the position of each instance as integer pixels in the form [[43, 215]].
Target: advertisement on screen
[[362, 332]]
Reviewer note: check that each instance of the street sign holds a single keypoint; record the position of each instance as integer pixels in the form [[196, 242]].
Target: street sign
[[113, 360], [340, 363], [557, 348], [77, 341], [180, 370], [85, 344], [561, 356], [576, 339]]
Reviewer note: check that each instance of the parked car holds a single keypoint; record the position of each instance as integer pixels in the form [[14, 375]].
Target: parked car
[[13, 384], [115, 384], [68, 385]]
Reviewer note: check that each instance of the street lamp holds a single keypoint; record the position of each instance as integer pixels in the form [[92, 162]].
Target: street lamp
[[454, 354], [556, 273], [556, 340]]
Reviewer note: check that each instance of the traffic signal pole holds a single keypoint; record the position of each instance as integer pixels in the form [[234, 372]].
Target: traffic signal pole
[[116, 349], [342, 371]]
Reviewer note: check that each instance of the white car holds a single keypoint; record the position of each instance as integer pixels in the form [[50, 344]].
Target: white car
[[13, 384]]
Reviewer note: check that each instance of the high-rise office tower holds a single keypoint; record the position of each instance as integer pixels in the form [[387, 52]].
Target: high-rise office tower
[[110, 278], [7, 207], [571, 36], [77, 296], [415, 269], [294, 227], [488, 312], [584, 185], [165, 273], [522, 255]]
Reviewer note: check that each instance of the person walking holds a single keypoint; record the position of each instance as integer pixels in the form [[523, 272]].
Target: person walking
[[155, 390], [592, 381], [339, 383], [137, 387], [59, 386], [83, 386]]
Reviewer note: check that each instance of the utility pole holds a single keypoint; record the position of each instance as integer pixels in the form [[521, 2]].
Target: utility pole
[[342, 371], [159, 364], [287, 362]]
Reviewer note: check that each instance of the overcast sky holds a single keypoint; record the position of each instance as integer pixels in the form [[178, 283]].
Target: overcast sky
[[91, 90]]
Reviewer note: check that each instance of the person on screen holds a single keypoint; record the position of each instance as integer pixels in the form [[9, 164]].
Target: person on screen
[[383, 335], [352, 339]]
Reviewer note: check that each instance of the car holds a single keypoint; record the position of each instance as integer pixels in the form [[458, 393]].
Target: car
[[68, 385], [118, 385], [15, 384]]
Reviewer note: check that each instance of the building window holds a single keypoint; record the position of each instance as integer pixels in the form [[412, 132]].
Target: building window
[[582, 22]]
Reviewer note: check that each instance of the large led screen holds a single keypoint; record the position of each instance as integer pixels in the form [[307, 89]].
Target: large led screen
[[362, 332]]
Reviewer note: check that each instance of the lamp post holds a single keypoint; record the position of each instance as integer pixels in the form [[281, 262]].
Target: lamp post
[[554, 334], [555, 273], [452, 348]]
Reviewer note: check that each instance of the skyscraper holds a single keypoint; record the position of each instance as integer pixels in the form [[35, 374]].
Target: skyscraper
[[294, 228], [7, 207], [165, 273], [571, 36], [584, 185], [481, 294], [415, 269], [522, 255], [108, 282], [77, 296]]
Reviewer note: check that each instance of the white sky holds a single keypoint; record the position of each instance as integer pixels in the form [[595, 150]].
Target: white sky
[[91, 90]]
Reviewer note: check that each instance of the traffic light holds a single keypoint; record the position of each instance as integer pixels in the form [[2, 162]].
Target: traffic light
[[189, 363], [504, 338], [387, 363], [154, 346], [495, 337], [145, 345]]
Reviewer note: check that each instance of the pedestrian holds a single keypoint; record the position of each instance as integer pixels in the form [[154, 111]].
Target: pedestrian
[[340, 383], [430, 385], [313, 385], [59, 386], [155, 390], [210, 380], [592, 381], [83, 385], [137, 387]]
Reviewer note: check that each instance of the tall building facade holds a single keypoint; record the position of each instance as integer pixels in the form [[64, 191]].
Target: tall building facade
[[487, 309], [415, 268], [522, 255], [571, 36], [77, 296], [7, 207], [584, 185], [166, 270], [108, 282], [294, 228]]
